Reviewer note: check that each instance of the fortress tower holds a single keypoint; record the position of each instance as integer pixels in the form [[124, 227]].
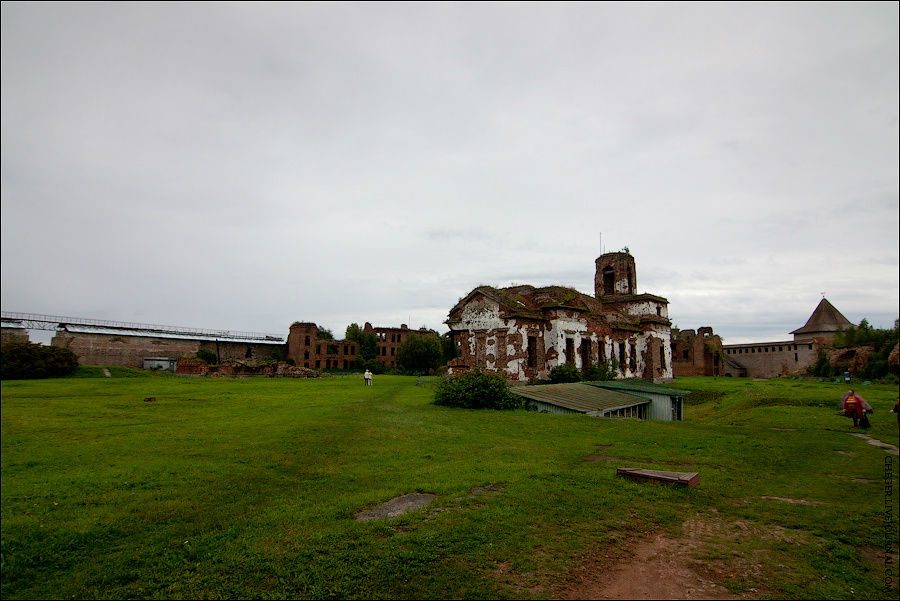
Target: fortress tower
[[615, 275]]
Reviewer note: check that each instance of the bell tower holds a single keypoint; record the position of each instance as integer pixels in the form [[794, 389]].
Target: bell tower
[[615, 275]]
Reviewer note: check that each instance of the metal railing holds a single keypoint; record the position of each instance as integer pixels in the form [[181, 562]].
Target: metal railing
[[37, 321]]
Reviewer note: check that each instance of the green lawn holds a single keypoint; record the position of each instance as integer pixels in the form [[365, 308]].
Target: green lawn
[[249, 488]]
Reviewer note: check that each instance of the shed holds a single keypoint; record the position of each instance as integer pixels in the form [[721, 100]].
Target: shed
[[167, 363], [591, 400], [666, 403]]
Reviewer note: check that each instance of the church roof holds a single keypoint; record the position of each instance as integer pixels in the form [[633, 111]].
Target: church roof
[[824, 319]]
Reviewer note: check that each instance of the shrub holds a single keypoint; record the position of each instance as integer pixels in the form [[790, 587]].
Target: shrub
[[476, 389], [600, 371], [567, 372], [20, 360], [208, 356]]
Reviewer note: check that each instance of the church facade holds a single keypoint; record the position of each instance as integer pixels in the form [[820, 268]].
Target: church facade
[[524, 331]]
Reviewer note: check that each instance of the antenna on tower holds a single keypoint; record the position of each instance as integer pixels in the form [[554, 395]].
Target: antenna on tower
[[601, 243]]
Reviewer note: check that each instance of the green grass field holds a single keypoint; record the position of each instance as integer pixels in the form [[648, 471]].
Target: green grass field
[[226, 488]]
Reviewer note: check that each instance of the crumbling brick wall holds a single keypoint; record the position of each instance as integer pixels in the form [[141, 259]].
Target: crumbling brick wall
[[129, 351], [11, 335], [697, 353]]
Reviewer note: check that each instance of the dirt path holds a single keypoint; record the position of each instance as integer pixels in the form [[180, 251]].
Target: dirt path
[[659, 567], [889, 448]]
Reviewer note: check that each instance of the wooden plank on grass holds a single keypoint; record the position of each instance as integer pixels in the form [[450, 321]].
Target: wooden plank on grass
[[689, 479]]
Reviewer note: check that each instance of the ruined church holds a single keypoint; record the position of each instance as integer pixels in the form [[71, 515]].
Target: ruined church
[[523, 332]]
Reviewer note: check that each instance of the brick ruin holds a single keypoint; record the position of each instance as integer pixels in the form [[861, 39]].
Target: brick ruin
[[523, 332], [307, 350], [129, 348], [697, 353]]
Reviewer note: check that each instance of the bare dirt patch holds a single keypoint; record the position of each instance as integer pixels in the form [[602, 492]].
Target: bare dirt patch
[[847, 453], [657, 567], [603, 458], [889, 448], [396, 507], [480, 490], [794, 501], [670, 567], [600, 457]]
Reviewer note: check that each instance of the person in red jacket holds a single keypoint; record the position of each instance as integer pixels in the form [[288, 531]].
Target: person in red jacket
[[853, 407]]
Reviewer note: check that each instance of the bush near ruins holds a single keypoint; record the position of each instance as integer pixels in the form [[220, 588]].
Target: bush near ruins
[[476, 389], [207, 356], [566, 372], [601, 371], [24, 360]]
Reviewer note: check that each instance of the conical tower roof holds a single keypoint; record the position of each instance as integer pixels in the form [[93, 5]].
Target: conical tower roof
[[824, 319]]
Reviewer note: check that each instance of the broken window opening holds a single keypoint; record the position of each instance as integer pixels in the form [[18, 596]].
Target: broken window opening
[[532, 351], [609, 280], [570, 351]]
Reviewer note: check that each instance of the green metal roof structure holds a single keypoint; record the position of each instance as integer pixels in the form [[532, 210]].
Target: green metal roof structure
[[638, 386], [578, 397]]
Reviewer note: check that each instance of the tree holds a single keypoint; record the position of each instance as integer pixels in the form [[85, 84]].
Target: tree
[[449, 352], [324, 334], [20, 360], [353, 333], [420, 353], [368, 346]]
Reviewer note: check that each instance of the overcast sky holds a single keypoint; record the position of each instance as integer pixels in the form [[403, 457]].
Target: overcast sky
[[244, 166]]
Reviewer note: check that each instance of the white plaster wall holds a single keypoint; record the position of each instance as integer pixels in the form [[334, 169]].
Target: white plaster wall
[[647, 308], [481, 313], [664, 333], [515, 368], [563, 326]]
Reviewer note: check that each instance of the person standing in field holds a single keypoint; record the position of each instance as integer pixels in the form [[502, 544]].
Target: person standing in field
[[854, 408], [367, 377]]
